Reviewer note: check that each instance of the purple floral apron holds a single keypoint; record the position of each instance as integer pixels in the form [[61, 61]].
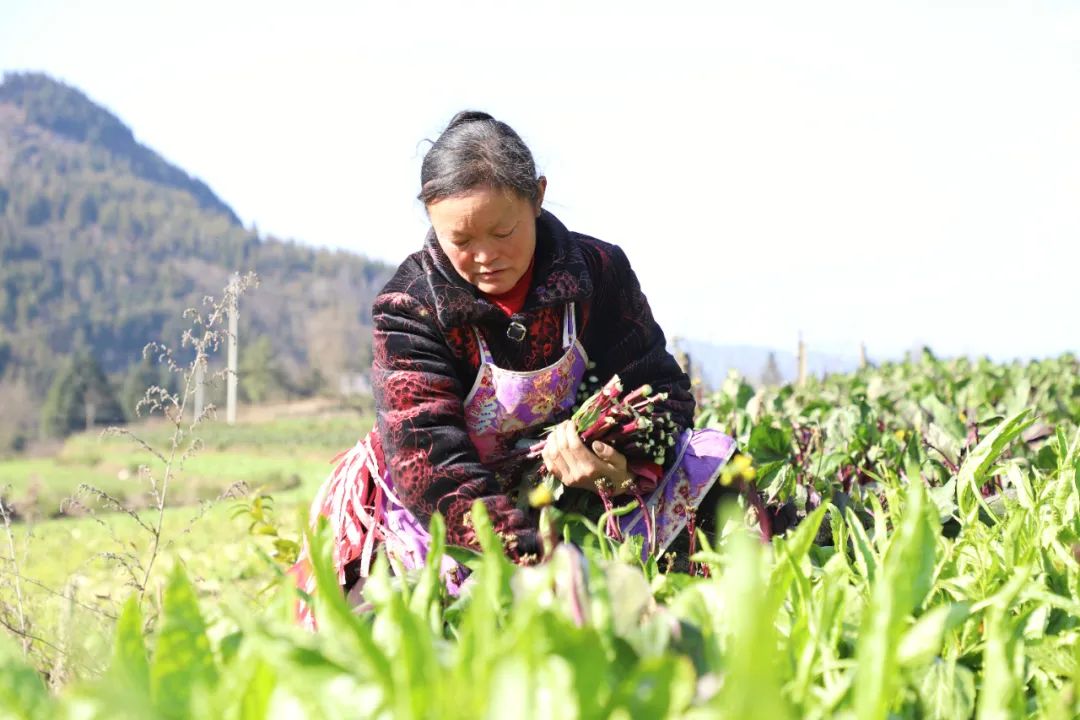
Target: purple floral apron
[[502, 406], [505, 405]]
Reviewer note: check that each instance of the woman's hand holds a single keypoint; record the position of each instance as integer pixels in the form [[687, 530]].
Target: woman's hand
[[575, 465]]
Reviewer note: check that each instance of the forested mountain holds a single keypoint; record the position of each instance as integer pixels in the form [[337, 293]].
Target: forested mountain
[[103, 244]]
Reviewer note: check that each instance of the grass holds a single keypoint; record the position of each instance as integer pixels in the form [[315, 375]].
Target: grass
[[276, 455], [73, 581], [72, 591]]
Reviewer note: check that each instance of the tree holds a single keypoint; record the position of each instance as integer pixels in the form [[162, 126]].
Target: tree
[[39, 212], [5, 354], [80, 397], [88, 211], [771, 375], [260, 376], [141, 376], [336, 343], [17, 419]]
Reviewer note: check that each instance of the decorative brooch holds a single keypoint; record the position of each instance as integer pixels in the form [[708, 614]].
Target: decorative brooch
[[515, 331]]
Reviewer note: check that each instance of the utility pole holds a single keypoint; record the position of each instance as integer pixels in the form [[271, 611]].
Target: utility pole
[[200, 386], [697, 386], [230, 383], [801, 381], [862, 356]]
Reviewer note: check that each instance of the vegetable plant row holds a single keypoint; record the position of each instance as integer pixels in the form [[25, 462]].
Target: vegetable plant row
[[904, 542]]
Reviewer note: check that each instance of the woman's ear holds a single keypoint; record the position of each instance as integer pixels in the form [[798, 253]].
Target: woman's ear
[[541, 187]]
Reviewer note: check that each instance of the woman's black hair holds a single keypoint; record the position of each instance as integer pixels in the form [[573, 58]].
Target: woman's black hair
[[476, 150]]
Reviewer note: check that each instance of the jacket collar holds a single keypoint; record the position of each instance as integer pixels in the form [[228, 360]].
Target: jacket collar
[[560, 275]]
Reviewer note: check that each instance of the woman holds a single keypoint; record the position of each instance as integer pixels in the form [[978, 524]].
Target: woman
[[482, 339]]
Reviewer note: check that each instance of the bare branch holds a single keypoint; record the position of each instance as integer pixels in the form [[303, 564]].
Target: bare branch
[[18, 587], [115, 430]]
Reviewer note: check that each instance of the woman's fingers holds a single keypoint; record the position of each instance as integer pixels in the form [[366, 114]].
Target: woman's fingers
[[554, 454], [578, 465], [615, 464], [609, 455], [582, 463], [561, 470], [573, 440]]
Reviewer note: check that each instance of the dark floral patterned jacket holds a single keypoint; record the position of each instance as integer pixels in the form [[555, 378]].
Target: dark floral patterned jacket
[[426, 359]]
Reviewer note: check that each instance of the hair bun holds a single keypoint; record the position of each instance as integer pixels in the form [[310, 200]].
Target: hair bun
[[467, 116], [477, 150]]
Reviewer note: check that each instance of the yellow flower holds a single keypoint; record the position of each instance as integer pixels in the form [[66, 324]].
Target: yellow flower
[[541, 496], [726, 476], [740, 468], [900, 435]]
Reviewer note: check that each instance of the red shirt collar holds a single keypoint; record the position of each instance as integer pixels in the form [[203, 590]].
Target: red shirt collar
[[513, 299]]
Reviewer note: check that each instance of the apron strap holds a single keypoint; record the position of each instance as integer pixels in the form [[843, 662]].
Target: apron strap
[[485, 353], [569, 333]]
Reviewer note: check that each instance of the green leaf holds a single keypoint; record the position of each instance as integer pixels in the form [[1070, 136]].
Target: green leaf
[[654, 636], [129, 664], [778, 479], [1003, 655], [947, 691], [22, 691], [944, 444], [427, 595], [255, 701], [336, 618], [630, 596], [1052, 655], [794, 549], [768, 444], [973, 472], [182, 657], [944, 499], [659, 687], [865, 558], [495, 568], [752, 682], [414, 662], [922, 641], [944, 417], [898, 589]]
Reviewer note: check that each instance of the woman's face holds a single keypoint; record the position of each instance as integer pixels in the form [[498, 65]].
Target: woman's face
[[489, 235]]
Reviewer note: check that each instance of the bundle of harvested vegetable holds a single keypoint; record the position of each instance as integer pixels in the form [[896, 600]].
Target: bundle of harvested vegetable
[[633, 426]]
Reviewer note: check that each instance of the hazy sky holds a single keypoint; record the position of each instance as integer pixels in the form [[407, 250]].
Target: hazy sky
[[895, 173]]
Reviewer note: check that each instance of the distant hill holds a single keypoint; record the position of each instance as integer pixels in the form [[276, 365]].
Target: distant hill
[[103, 244], [714, 361], [67, 113]]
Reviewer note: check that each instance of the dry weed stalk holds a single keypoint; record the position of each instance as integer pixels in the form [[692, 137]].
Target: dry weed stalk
[[208, 332], [22, 631]]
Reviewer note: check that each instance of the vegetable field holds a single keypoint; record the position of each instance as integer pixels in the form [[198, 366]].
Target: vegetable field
[[901, 542]]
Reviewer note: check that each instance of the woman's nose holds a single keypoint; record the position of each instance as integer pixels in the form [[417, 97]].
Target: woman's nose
[[484, 254]]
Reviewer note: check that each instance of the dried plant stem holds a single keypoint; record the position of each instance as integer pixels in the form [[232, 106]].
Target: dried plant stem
[[58, 675], [177, 419], [37, 583], [204, 337], [18, 586], [29, 637]]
